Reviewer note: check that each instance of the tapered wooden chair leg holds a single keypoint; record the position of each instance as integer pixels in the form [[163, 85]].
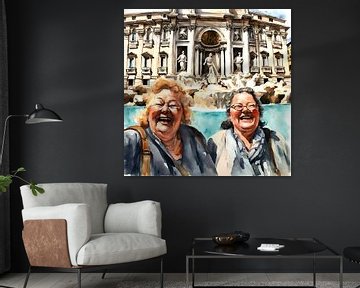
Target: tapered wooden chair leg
[[27, 277]]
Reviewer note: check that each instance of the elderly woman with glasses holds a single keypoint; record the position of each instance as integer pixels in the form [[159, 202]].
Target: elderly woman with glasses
[[245, 147], [164, 139]]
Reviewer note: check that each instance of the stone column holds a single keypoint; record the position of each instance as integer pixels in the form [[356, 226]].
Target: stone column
[[222, 64], [156, 49], [201, 62], [246, 52], [126, 51], [172, 54], [257, 45], [197, 60], [190, 50], [285, 55], [139, 60], [228, 57], [271, 51]]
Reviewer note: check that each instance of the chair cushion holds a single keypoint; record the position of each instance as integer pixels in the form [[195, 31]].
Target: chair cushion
[[113, 248], [352, 253], [137, 217], [93, 194]]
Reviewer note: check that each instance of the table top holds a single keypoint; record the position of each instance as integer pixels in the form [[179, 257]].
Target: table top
[[292, 247]]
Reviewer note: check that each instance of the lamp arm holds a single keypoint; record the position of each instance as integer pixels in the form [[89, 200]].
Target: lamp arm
[[4, 134]]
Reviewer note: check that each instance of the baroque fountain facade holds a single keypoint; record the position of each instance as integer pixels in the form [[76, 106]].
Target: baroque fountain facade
[[211, 51]]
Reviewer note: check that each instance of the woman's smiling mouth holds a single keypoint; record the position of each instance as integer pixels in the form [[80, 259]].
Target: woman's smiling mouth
[[165, 120], [246, 117]]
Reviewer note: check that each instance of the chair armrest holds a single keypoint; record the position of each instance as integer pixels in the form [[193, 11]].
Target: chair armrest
[[77, 218], [138, 217]]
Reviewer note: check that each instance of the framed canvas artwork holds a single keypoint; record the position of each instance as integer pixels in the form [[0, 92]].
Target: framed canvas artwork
[[207, 92]]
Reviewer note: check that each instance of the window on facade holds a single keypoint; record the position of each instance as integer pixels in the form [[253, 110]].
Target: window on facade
[[163, 60], [146, 82], [253, 59], [133, 17], [130, 82], [145, 62], [131, 62], [262, 35], [259, 17], [277, 37], [279, 59], [146, 58], [148, 16], [148, 34], [251, 34], [271, 20], [133, 35], [265, 59], [165, 33]]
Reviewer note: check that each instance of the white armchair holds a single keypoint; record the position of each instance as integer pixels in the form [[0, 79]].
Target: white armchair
[[71, 227]]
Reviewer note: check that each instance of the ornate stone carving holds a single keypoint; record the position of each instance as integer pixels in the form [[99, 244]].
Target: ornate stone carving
[[237, 34], [172, 26], [157, 30], [127, 31], [246, 28], [229, 25], [140, 31], [183, 33]]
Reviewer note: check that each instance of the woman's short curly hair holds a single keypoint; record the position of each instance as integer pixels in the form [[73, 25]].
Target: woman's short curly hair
[[227, 124], [175, 87]]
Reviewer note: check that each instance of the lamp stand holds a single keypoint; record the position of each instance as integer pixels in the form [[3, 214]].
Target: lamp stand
[[4, 135]]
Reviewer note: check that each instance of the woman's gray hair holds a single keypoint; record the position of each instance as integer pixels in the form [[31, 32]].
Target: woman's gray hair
[[227, 124]]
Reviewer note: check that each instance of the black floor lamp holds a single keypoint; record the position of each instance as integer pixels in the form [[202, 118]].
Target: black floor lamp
[[39, 115]]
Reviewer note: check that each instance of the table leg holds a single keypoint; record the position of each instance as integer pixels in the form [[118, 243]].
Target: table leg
[[193, 272], [314, 271], [187, 272], [341, 273]]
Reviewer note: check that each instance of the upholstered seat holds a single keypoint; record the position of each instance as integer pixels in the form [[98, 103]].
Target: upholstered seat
[[78, 230], [120, 248]]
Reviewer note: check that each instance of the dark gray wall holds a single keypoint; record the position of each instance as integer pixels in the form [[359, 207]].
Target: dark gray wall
[[67, 55]]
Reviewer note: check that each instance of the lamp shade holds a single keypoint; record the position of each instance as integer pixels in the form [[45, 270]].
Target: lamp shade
[[42, 115]]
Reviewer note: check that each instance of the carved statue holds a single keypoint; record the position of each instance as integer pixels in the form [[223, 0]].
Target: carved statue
[[238, 60], [237, 36], [212, 74], [182, 61], [183, 33]]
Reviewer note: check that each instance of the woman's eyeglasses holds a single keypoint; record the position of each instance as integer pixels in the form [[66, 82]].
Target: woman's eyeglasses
[[240, 107], [171, 107]]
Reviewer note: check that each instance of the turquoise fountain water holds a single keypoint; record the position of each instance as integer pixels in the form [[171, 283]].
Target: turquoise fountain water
[[276, 116]]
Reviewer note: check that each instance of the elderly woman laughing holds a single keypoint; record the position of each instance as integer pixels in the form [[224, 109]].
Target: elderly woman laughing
[[164, 139], [245, 147]]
